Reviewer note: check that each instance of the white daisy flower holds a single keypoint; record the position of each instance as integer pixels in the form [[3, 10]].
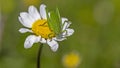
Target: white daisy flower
[[36, 23]]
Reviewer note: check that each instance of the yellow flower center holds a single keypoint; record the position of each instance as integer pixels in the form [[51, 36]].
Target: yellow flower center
[[41, 28], [71, 60]]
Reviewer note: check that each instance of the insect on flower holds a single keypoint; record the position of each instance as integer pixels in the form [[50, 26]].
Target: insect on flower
[[45, 27]]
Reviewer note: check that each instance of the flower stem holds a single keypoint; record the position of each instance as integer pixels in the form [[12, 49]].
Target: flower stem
[[39, 55]]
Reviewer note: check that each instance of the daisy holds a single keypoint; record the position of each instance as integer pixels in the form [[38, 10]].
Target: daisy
[[36, 23]]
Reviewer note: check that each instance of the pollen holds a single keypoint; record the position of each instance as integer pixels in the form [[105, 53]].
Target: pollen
[[41, 28]]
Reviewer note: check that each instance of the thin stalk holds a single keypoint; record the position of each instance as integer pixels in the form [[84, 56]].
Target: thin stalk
[[39, 55]]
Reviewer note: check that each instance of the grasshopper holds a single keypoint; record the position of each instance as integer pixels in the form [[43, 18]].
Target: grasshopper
[[54, 21]]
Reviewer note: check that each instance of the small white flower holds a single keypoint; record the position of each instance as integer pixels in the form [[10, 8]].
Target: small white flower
[[36, 23]]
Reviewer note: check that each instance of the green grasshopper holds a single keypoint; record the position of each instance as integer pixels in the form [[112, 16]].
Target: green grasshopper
[[54, 21]]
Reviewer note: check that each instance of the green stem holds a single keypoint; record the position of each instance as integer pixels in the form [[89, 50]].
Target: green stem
[[39, 55]]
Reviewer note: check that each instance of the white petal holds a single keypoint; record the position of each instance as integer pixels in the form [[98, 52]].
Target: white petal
[[64, 19], [21, 21], [34, 13], [42, 40], [53, 45], [49, 14], [27, 21], [30, 40], [43, 11], [24, 23], [60, 39], [68, 32], [28, 16], [66, 25], [24, 30]]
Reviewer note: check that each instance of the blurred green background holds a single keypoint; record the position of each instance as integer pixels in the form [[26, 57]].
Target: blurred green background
[[96, 38]]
